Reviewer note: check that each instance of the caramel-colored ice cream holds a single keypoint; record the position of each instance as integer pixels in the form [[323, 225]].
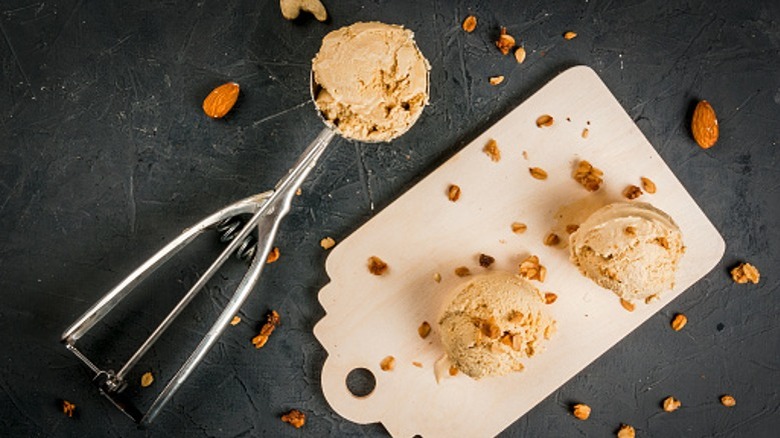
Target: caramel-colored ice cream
[[371, 81], [495, 321], [631, 248]]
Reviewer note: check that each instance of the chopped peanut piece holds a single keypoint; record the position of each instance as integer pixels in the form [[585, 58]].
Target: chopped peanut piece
[[679, 322], [581, 411], [632, 192], [147, 379], [387, 364], [626, 431], [531, 269], [492, 151], [572, 228], [505, 42], [470, 23], [495, 80], [68, 408], [588, 176], [453, 193], [628, 305], [520, 55], [437, 277], [671, 404], [519, 227], [485, 260], [295, 418], [417, 364], [453, 370], [327, 243], [728, 401], [424, 329], [570, 35], [376, 266], [585, 133], [648, 185], [552, 239], [545, 120], [272, 321], [550, 297], [630, 231], [236, 319], [462, 271], [273, 255], [744, 273], [538, 173]]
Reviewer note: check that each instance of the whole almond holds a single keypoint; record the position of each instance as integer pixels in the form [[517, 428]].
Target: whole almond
[[221, 100], [704, 125]]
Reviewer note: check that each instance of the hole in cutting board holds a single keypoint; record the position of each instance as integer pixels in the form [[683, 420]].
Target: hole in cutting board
[[361, 382]]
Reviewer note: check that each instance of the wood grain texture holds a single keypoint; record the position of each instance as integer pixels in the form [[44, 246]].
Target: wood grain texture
[[423, 232]]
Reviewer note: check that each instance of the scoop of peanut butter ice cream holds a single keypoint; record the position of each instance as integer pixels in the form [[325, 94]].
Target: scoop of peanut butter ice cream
[[631, 248], [495, 321], [371, 81]]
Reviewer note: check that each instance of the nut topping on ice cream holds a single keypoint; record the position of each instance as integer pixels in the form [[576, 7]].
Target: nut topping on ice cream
[[630, 248], [495, 321], [372, 81]]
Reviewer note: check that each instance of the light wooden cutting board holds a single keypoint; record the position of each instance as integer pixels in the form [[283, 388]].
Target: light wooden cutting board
[[422, 233]]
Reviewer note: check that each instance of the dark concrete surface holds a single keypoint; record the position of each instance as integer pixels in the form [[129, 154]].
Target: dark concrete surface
[[105, 155]]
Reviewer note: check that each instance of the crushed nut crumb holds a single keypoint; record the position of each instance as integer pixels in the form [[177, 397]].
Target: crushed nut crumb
[[585, 133], [571, 228], [437, 277], [377, 266], [453, 370], [424, 329], [273, 255], [545, 120], [519, 227], [671, 404], [570, 35], [648, 185], [462, 271], [505, 42], [728, 401], [295, 418], [552, 239], [628, 305], [489, 328], [147, 379], [520, 55], [485, 260], [298, 192], [626, 431], [453, 192], [581, 411], [495, 80], [531, 269], [588, 176], [744, 273], [632, 192], [550, 297], [630, 231], [538, 173], [470, 23], [68, 408], [236, 319], [492, 150], [327, 243], [679, 322], [651, 298], [662, 241], [387, 364], [417, 364], [272, 321]]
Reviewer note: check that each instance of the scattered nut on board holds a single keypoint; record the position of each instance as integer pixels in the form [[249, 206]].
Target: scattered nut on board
[[462, 271], [588, 176], [292, 8], [520, 55], [271, 322], [648, 185], [581, 411], [453, 192], [424, 329], [491, 150], [273, 255], [704, 125], [626, 431], [570, 35], [495, 80], [221, 100], [745, 272], [377, 266], [538, 173], [552, 239], [295, 418], [68, 408], [387, 364], [628, 305], [470, 23], [236, 319], [505, 42], [550, 297], [679, 322], [571, 228], [485, 260], [327, 243], [519, 227], [531, 269], [632, 192], [545, 120]]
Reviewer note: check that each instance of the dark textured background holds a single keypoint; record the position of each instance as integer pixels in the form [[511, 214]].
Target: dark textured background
[[105, 155]]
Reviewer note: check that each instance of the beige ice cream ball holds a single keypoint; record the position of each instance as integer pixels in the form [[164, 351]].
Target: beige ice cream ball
[[631, 248]]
